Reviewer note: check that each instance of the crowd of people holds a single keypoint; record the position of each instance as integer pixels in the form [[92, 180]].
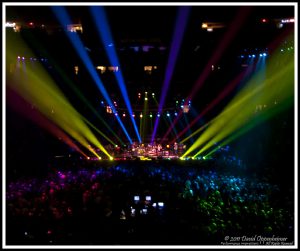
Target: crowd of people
[[141, 202]]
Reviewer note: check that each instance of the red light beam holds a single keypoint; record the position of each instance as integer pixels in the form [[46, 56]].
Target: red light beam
[[23, 108], [235, 26]]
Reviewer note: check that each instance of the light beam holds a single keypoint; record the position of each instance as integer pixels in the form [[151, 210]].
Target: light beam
[[64, 19], [100, 18], [176, 43]]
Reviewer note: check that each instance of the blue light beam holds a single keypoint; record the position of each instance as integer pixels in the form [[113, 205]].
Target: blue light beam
[[181, 22], [100, 19], [64, 19]]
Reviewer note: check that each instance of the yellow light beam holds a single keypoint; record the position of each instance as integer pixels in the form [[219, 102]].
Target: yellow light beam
[[196, 132], [277, 85], [244, 113], [38, 88], [273, 111], [97, 130]]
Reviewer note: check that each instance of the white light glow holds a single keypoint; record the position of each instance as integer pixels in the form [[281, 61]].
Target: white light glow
[[10, 25]]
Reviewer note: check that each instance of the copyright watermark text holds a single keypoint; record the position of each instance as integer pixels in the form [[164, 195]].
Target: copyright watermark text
[[256, 240]]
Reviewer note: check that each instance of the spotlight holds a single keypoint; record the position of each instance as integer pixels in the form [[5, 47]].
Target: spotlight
[[175, 114], [153, 94], [260, 55], [108, 109], [253, 56], [141, 115], [160, 204], [150, 115], [158, 115], [186, 108], [168, 114], [279, 25], [264, 54]]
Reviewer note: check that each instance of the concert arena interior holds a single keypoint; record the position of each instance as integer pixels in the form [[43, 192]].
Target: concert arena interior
[[149, 124]]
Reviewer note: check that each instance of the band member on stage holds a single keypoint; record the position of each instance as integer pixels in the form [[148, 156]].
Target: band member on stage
[[175, 148], [159, 148]]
